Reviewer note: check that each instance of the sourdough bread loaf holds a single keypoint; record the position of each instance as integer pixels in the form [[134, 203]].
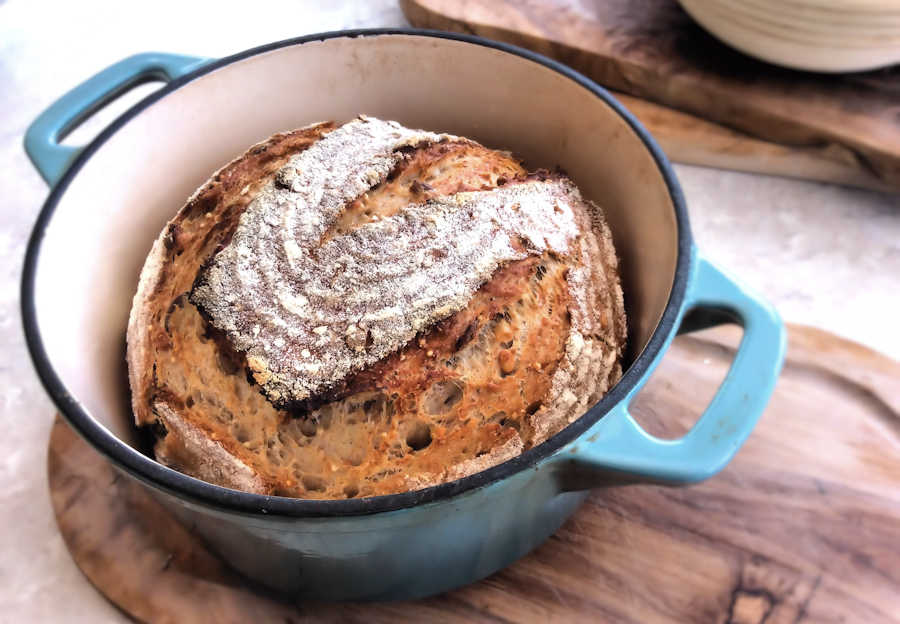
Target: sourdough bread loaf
[[364, 309]]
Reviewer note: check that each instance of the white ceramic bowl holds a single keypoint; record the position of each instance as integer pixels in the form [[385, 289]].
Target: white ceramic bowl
[[815, 35]]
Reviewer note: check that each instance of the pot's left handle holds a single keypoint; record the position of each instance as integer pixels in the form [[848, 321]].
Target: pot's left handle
[[42, 139]]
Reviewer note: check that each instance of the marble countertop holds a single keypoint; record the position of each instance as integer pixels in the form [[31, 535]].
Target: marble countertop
[[825, 255]]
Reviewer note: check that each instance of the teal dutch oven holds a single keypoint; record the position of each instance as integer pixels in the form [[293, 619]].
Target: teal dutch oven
[[110, 199]]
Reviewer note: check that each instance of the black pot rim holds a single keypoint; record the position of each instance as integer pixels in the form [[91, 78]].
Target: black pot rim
[[182, 486]]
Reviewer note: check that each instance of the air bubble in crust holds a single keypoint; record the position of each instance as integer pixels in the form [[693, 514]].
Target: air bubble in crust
[[242, 435], [313, 483], [308, 427], [442, 396], [419, 436]]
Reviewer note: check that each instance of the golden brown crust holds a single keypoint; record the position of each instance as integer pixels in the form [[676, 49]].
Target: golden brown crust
[[308, 313], [475, 389], [426, 173]]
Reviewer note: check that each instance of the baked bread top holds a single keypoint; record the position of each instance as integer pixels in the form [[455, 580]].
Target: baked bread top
[[366, 309]]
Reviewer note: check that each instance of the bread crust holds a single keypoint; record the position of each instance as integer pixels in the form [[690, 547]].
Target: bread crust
[[566, 316]]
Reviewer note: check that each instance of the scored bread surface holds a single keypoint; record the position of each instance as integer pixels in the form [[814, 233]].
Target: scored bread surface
[[367, 309]]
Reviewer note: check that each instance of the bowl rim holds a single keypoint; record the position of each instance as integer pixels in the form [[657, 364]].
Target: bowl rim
[[185, 487]]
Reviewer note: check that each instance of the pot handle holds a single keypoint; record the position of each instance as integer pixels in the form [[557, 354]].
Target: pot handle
[[616, 449], [42, 139]]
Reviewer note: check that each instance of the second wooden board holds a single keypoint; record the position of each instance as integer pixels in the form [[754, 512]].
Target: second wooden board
[[735, 112]]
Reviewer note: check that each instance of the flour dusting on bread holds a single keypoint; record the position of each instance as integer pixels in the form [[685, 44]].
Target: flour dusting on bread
[[295, 306]]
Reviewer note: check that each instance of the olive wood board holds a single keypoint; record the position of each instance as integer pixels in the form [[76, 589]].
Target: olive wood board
[[705, 103], [802, 526]]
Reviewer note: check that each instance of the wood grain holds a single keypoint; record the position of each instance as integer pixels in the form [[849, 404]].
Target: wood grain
[[803, 526], [708, 104]]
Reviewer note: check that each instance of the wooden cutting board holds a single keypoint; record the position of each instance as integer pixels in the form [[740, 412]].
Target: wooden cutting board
[[803, 525], [706, 103]]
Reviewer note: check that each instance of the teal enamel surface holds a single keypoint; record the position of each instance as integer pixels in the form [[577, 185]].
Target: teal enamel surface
[[403, 554], [434, 546], [42, 139], [617, 442]]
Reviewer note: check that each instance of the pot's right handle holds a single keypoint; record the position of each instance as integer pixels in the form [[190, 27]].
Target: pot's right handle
[[617, 449], [42, 139]]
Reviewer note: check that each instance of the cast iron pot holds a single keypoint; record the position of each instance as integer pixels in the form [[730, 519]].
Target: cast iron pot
[[111, 198]]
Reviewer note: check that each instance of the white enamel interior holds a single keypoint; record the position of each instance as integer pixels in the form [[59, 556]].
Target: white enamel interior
[[117, 204]]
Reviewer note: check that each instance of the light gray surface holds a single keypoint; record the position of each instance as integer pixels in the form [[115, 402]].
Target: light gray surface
[[826, 255]]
